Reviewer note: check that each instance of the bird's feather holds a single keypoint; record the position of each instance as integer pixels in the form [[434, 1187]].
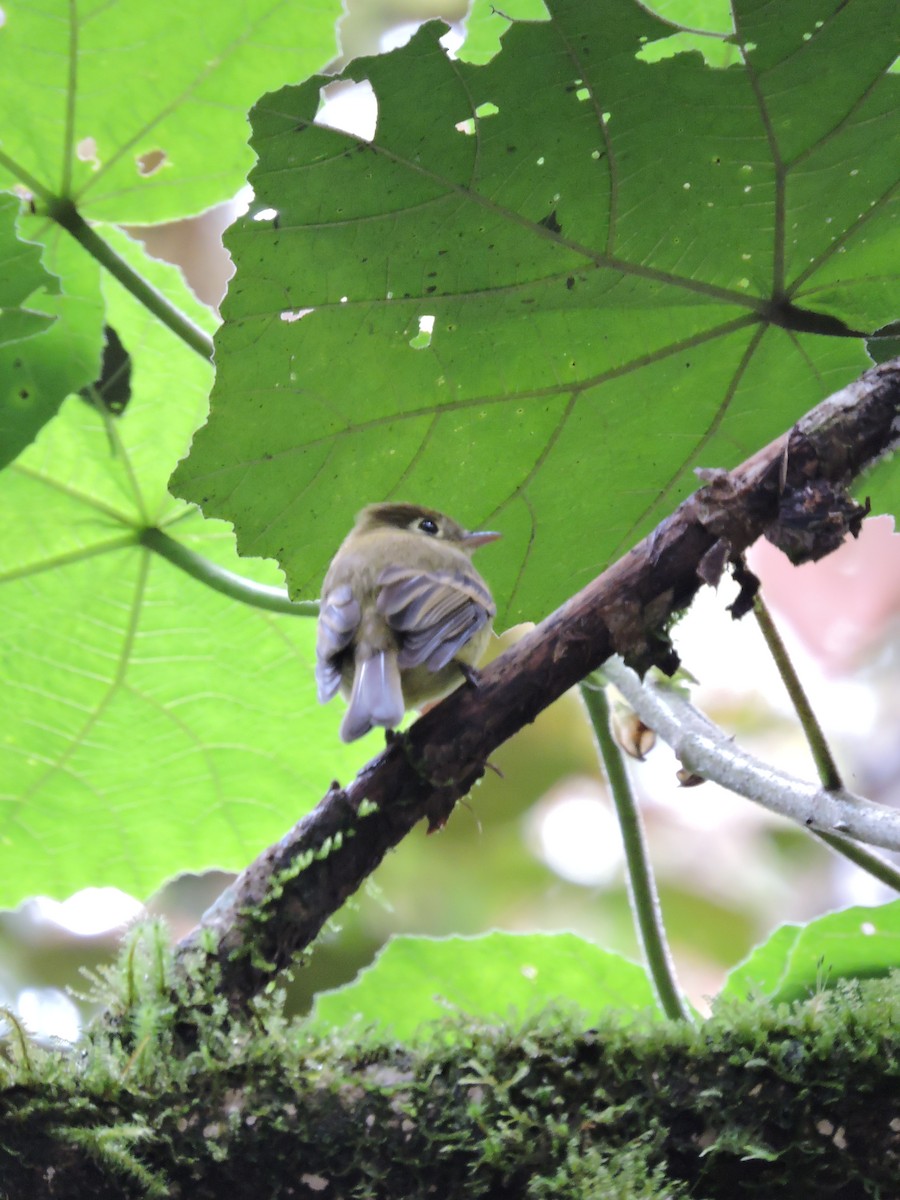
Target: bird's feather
[[377, 696], [339, 618], [434, 613]]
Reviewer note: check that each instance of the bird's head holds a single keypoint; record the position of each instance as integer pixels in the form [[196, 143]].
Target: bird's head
[[422, 522]]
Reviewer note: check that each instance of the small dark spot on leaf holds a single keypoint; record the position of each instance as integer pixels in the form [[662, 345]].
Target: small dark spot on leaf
[[570, 282], [432, 274], [550, 222], [528, 300], [511, 149], [442, 251], [24, 393], [429, 290]]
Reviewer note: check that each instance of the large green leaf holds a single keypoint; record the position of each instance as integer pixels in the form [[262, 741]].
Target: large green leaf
[[150, 725], [799, 960], [415, 982], [608, 248], [133, 112], [137, 111]]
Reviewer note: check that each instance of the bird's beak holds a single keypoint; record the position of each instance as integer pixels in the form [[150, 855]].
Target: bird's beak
[[480, 538]]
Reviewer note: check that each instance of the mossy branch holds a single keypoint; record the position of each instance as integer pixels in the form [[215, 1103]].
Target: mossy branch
[[759, 1101]]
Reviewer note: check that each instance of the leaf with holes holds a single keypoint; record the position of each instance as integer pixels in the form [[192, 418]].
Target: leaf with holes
[[537, 293], [137, 111], [132, 112]]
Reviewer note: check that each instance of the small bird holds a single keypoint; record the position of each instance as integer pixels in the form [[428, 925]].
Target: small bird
[[403, 615]]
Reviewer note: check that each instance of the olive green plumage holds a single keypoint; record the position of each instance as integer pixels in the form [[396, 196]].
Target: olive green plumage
[[402, 606]]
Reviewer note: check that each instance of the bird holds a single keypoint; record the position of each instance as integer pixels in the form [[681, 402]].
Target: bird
[[404, 616]]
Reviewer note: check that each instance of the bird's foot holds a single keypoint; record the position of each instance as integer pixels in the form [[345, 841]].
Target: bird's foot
[[471, 674]]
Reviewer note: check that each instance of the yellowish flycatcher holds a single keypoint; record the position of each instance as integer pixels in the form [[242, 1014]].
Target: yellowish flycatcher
[[402, 608]]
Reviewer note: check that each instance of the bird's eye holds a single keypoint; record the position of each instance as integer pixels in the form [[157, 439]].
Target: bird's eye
[[428, 526]]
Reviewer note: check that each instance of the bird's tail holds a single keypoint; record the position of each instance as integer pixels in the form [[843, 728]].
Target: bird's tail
[[377, 696]]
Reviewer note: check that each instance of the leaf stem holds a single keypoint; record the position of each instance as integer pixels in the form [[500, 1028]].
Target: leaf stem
[[642, 887], [879, 868], [825, 764], [236, 587], [71, 93], [27, 180], [64, 213]]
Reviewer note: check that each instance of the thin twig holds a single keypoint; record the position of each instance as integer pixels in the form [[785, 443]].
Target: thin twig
[[704, 748], [819, 748], [642, 891]]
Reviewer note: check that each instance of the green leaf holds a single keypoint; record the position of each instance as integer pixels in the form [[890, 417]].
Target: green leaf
[[151, 726], [611, 250], [496, 977], [798, 961], [137, 111], [711, 15], [34, 377], [21, 274], [38, 373]]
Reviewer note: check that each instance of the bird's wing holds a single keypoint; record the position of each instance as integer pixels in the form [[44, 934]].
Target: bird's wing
[[339, 619], [433, 612]]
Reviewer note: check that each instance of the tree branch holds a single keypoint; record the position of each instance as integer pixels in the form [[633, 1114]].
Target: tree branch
[[792, 491], [707, 750]]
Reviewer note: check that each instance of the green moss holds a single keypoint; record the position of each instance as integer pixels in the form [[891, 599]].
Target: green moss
[[174, 1095]]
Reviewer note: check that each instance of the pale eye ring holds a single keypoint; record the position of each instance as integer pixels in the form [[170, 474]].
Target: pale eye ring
[[428, 526]]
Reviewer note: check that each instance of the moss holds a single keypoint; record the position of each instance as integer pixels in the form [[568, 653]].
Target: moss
[[173, 1095]]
